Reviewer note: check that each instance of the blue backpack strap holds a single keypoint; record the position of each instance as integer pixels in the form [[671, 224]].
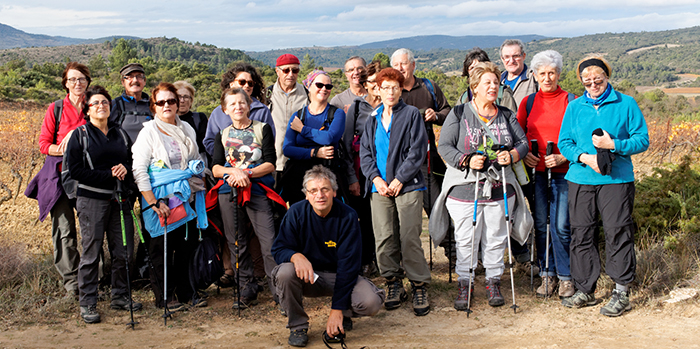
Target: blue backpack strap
[[431, 89], [528, 104], [570, 97]]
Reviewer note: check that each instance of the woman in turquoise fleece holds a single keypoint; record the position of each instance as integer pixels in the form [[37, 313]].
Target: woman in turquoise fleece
[[599, 134]]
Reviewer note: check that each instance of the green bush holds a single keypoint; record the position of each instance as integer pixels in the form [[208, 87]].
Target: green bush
[[668, 200]]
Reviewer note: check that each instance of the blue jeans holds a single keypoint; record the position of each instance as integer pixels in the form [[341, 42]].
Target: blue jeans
[[560, 231]]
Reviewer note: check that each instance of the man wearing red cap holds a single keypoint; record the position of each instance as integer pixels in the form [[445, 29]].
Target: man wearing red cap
[[285, 97]]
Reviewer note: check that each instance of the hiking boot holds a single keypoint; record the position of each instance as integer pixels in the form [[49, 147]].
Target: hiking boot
[[493, 290], [546, 289], [90, 314], [578, 300], [245, 302], [421, 306], [199, 302], [618, 304], [121, 302], [174, 306], [525, 268], [369, 270], [462, 300], [566, 288], [396, 294], [298, 338], [226, 281]]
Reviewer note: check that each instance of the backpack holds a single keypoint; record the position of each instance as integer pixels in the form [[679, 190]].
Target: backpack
[[341, 151], [431, 89], [206, 266], [123, 112], [70, 185], [57, 112]]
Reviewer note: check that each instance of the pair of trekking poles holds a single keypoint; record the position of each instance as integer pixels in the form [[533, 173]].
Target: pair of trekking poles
[[509, 224], [549, 151]]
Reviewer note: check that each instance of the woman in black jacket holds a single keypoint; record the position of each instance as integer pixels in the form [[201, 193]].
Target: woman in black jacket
[[98, 159]]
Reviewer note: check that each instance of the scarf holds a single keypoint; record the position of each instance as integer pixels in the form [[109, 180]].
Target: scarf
[[187, 145], [600, 99]]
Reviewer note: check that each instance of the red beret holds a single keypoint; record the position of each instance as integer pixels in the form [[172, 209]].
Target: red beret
[[287, 59]]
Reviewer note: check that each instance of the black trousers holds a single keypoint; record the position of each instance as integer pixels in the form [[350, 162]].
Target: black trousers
[[613, 203], [180, 251]]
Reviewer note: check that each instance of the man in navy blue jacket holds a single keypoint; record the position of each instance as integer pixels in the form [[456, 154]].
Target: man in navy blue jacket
[[318, 251]]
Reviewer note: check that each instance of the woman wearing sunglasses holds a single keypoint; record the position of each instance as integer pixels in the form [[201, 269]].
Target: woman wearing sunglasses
[[247, 78], [167, 143], [599, 134], [312, 138]]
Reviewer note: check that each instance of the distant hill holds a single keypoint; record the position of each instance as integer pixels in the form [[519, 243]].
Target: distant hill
[[15, 38], [421, 45], [431, 42]]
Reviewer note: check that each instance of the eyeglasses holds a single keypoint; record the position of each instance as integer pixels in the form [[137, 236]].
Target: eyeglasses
[[80, 80], [321, 85], [103, 103], [598, 81], [390, 88], [315, 191], [371, 81], [184, 97], [507, 58], [287, 70], [171, 101], [243, 82], [136, 77]]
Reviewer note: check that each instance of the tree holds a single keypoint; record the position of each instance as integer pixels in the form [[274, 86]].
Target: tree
[[307, 65], [382, 57], [121, 54], [97, 66]]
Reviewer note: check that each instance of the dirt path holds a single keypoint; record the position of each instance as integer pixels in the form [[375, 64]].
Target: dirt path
[[538, 324]]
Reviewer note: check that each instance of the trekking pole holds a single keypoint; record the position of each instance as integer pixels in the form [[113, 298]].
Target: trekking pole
[[535, 150], [471, 249], [234, 198], [508, 226], [166, 311], [430, 209], [120, 189], [550, 146]]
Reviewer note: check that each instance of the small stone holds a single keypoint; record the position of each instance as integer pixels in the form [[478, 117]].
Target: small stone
[[681, 294]]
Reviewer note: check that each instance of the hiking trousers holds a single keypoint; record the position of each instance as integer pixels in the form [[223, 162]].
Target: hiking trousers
[[259, 211], [398, 223], [366, 298], [99, 218], [65, 242], [613, 203]]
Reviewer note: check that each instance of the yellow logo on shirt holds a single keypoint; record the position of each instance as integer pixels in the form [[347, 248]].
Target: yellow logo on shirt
[[331, 243]]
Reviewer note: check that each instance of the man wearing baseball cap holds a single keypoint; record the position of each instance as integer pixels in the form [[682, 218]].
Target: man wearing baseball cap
[[131, 109], [285, 97]]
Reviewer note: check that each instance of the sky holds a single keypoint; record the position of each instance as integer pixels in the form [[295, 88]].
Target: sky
[[277, 24]]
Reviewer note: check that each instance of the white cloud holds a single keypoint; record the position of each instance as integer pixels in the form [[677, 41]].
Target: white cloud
[[35, 17]]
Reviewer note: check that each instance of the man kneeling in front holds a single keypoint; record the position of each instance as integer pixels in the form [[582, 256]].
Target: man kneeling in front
[[318, 251]]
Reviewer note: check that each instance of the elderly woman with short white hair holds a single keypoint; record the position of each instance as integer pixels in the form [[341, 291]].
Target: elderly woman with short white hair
[[599, 134], [540, 115]]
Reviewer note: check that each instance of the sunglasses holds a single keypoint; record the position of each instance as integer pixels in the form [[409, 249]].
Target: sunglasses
[[243, 82], [293, 70], [321, 85], [171, 101], [594, 82]]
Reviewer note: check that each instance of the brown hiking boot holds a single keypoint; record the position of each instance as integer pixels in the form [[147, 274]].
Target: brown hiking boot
[[546, 289], [566, 288]]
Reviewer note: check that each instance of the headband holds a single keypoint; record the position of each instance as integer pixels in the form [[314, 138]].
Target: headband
[[312, 76], [593, 62]]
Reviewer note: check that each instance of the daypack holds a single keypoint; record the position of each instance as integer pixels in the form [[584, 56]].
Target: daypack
[[123, 112], [206, 266], [70, 185], [431, 89], [57, 112]]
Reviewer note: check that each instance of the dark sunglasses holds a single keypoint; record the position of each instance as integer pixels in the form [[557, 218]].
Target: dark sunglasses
[[293, 70], [321, 85], [243, 82], [171, 101]]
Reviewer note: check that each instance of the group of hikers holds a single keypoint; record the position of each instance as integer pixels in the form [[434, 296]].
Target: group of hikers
[[517, 157]]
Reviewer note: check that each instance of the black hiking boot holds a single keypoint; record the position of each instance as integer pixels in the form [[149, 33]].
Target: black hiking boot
[[298, 338], [90, 314], [121, 302]]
